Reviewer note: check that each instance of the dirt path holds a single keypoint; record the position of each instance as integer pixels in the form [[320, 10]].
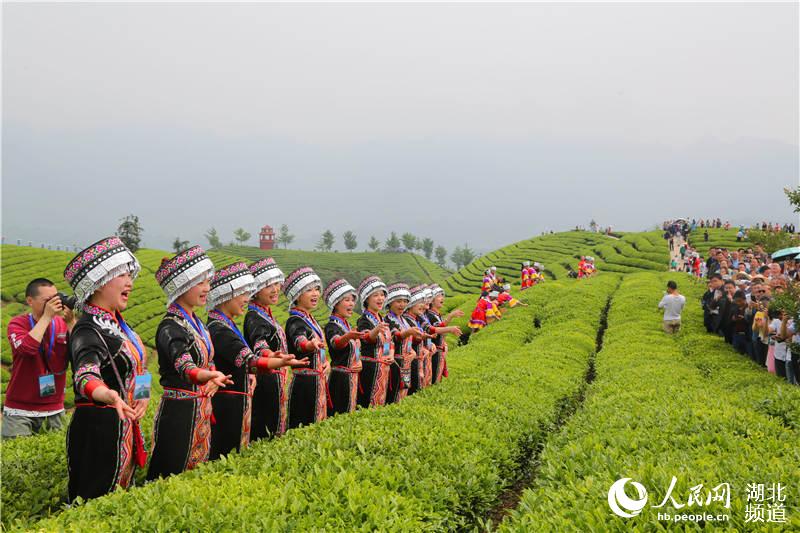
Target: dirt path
[[530, 462], [675, 253]]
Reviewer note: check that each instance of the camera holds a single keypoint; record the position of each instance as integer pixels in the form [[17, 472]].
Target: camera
[[67, 301]]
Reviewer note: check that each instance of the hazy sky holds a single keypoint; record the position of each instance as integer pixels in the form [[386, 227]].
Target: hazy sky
[[470, 123]]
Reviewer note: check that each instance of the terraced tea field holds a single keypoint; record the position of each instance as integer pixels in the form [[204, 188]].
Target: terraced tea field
[[543, 411]]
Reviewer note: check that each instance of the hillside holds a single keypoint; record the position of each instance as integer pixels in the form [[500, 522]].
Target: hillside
[[353, 266], [717, 238], [631, 252], [531, 403]]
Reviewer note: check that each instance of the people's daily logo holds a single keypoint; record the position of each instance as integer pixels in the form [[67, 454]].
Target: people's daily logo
[[766, 502], [621, 503]]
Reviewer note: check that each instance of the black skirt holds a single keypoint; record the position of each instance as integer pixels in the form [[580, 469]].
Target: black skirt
[[99, 452], [369, 372], [436, 367], [399, 382], [343, 388], [232, 428], [181, 434], [269, 406], [373, 387], [307, 399], [393, 390], [416, 380]]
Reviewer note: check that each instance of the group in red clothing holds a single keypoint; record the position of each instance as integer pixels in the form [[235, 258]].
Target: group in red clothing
[[531, 275], [495, 293], [586, 267]]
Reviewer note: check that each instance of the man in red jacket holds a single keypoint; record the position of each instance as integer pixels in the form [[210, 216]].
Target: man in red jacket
[[35, 393]]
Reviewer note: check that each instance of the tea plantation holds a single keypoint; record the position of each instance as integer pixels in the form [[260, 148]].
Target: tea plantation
[[542, 412]]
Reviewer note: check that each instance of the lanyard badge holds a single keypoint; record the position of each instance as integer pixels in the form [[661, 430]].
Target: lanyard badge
[[141, 388], [47, 385]]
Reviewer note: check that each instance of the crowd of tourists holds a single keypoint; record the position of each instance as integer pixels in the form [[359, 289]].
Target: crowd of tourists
[[739, 305], [683, 226], [223, 386], [745, 287], [717, 223], [729, 263]]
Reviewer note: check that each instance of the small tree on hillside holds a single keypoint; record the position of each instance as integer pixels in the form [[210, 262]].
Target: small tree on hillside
[[284, 237], [457, 257], [409, 241], [241, 236], [213, 238], [326, 241], [427, 247], [794, 198], [374, 244], [393, 242], [462, 256], [350, 240], [179, 246], [130, 232], [441, 256], [773, 241], [468, 254]]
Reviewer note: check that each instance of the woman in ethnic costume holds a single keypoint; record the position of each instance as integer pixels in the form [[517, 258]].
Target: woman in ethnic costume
[[537, 274], [525, 274], [402, 334], [231, 288], [377, 348], [488, 279], [309, 397], [506, 298], [431, 331], [182, 425], [424, 325], [582, 267], [104, 440], [483, 314], [345, 347], [413, 317], [439, 327], [265, 334], [589, 267]]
